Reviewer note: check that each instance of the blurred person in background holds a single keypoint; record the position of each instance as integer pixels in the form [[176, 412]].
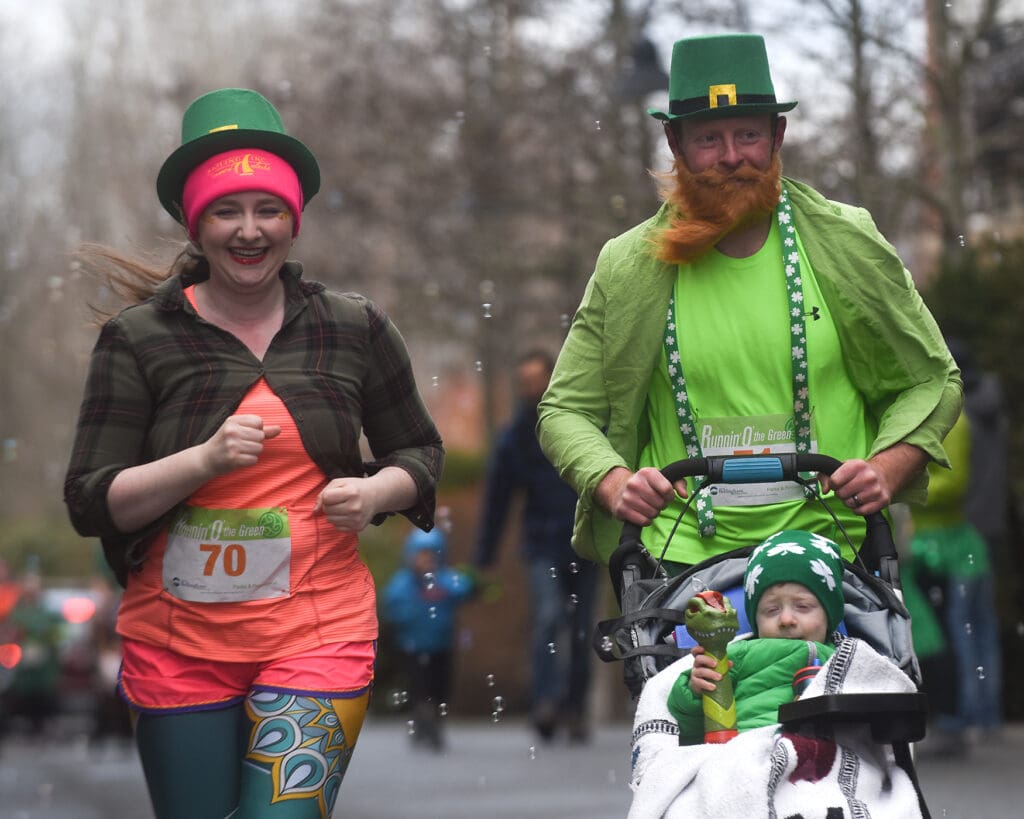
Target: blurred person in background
[[949, 562], [9, 590], [973, 609], [562, 586], [10, 652], [217, 457], [111, 717], [35, 629], [991, 500], [421, 601], [750, 314]]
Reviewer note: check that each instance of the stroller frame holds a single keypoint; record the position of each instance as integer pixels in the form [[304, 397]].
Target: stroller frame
[[652, 604]]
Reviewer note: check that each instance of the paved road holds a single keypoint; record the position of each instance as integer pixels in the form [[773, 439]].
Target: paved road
[[494, 770]]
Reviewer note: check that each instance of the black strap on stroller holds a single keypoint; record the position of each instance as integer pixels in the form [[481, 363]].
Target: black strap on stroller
[[640, 637]]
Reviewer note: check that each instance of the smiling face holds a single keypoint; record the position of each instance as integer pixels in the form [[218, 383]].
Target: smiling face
[[726, 177], [791, 611], [729, 143], [246, 238]]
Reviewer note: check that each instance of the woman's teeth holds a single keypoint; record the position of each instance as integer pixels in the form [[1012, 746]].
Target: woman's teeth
[[248, 255]]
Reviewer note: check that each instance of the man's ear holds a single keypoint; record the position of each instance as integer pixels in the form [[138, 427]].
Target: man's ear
[[673, 139]]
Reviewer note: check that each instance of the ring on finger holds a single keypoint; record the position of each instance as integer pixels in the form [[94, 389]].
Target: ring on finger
[[855, 499]]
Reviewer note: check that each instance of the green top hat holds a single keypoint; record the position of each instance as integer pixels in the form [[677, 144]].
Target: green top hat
[[720, 75], [224, 120]]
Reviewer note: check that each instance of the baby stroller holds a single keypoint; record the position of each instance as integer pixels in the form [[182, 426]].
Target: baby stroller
[[649, 637]]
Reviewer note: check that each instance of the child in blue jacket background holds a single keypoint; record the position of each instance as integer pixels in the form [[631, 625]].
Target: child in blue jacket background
[[420, 602]]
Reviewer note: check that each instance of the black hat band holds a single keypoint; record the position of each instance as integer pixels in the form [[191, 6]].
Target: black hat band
[[679, 108]]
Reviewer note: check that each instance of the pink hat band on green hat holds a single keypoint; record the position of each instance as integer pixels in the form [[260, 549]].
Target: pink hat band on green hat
[[243, 169]]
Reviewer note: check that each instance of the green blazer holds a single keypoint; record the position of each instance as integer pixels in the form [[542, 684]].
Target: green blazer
[[592, 417]]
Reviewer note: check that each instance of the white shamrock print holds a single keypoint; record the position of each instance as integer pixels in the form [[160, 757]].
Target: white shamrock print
[[752, 578], [785, 549], [820, 568], [823, 544]]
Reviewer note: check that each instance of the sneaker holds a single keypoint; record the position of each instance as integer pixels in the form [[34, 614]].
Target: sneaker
[[545, 721], [579, 731]]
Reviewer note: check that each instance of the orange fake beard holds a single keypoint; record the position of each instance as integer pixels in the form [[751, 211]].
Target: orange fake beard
[[711, 204]]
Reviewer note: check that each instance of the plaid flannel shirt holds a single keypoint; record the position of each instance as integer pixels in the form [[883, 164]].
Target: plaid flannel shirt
[[161, 379]]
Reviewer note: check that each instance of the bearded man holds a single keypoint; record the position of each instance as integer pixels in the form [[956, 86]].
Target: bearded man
[[749, 314]]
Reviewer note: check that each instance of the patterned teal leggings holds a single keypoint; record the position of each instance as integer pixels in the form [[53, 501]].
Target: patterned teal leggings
[[275, 756]]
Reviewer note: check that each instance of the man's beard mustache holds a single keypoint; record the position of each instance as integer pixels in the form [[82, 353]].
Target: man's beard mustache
[[711, 204]]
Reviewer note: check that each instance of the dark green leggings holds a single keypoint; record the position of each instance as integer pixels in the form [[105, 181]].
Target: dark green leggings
[[275, 756]]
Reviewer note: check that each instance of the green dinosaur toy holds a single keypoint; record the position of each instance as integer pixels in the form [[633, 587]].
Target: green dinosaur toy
[[712, 622]]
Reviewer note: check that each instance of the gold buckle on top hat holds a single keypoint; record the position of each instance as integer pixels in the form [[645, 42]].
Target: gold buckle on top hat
[[721, 95]]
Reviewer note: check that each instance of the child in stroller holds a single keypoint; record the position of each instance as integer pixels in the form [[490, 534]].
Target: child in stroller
[[841, 750], [793, 597]]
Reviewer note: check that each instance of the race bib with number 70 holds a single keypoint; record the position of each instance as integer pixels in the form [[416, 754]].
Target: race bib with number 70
[[228, 555]]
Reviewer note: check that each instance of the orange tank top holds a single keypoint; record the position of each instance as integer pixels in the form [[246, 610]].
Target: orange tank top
[[325, 594]]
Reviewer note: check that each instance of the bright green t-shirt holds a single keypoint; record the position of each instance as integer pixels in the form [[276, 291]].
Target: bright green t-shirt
[[733, 329]]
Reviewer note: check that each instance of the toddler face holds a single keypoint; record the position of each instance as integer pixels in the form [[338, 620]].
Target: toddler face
[[425, 560], [790, 611]]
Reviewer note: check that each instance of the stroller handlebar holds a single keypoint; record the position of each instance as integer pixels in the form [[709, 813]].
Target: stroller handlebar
[[751, 468], [878, 551]]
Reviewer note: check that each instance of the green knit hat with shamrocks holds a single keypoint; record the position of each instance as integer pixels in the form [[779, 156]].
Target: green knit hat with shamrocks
[[796, 556]]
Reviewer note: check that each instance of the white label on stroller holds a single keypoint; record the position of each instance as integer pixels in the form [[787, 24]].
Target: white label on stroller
[[751, 435]]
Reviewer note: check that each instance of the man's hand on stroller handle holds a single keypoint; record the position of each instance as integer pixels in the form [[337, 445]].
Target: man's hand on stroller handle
[[865, 486], [869, 486], [637, 497]]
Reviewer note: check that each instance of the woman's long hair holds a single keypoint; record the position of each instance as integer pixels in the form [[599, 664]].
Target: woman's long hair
[[134, 279]]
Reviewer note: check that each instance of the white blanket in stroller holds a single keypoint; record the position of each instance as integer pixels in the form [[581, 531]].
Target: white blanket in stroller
[[767, 772]]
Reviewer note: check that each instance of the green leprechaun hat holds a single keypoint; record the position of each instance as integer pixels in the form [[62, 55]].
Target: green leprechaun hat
[[224, 120], [720, 75]]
